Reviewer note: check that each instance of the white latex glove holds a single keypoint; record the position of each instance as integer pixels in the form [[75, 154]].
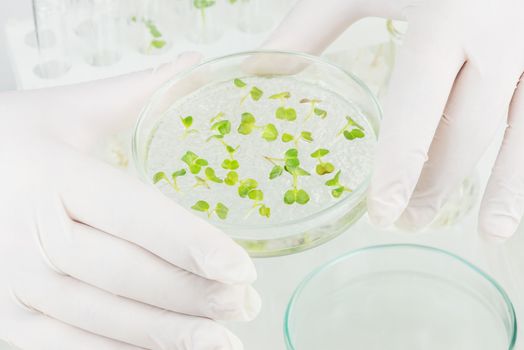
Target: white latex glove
[[455, 78], [93, 259]]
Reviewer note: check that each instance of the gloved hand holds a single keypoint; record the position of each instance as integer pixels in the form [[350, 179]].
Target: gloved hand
[[91, 258], [455, 78]]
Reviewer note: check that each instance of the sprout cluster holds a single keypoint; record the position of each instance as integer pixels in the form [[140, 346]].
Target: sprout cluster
[[287, 164], [157, 41]]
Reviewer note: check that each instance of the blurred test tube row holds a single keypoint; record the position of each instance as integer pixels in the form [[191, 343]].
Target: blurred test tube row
[[101, 31]]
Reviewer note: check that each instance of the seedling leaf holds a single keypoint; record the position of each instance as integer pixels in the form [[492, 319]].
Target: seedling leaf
[[159, 177], [280, 96], [211, 176], [321, 152], [289, 197], [256, 93], [302, 197], [201, 206], [275, 172], [270, 132], [287, 137], [256, 195], [306, 135], [221, 211], [239, 83], [231, 178], [178, 173]]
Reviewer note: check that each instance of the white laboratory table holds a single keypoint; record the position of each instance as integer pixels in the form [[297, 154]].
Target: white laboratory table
[[279, 276]]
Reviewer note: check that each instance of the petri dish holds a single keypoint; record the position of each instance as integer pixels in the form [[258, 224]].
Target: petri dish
[[399, 296], [254, 142]]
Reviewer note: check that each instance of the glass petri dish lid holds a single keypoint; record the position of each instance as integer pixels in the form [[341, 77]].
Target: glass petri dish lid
[[275, 148], [399, 296]]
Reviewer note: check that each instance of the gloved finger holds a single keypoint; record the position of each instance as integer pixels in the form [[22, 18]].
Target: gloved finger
[[40, 332], [126, 269], [426, 67], [93, 310], [311, 28], [475, 110], [502, 207], [106, 198]]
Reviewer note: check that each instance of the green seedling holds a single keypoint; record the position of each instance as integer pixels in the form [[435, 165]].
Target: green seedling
[[201, 182], [290, 164], [313, 109], [352, 130], [255, 92], [338, 189], [222, 128], [220, 209], [187, 122], [231, 163], [210, 176], [156, 42], [305, 136], [194, 162], [283, 112], [322, 168], [161, 176], [202, 5], [269, 131], [296, 196], [231, 178], [264, 211], [248, 188]]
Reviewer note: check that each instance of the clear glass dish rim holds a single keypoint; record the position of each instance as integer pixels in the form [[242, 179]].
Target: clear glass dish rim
[[357, 193], [322, 268]]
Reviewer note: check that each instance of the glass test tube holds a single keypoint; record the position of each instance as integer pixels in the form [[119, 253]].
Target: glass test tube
[[51, 37], [204, 22], [98, 30], [253, 16], [151, 26]]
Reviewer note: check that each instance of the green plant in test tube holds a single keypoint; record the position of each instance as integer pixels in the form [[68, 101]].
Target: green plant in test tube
[[202, 5], [157, 42]]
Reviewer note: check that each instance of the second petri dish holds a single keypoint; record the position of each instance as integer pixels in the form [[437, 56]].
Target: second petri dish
[[399, 297], [275, 148]]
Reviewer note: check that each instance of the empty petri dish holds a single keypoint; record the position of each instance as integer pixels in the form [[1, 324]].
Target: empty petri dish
[[275, 148], [399, 297]]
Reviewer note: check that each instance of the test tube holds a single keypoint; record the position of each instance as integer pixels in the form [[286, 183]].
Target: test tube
[[51, 37], [204, 22], [253, 16], [98, 28], [151, 26]]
